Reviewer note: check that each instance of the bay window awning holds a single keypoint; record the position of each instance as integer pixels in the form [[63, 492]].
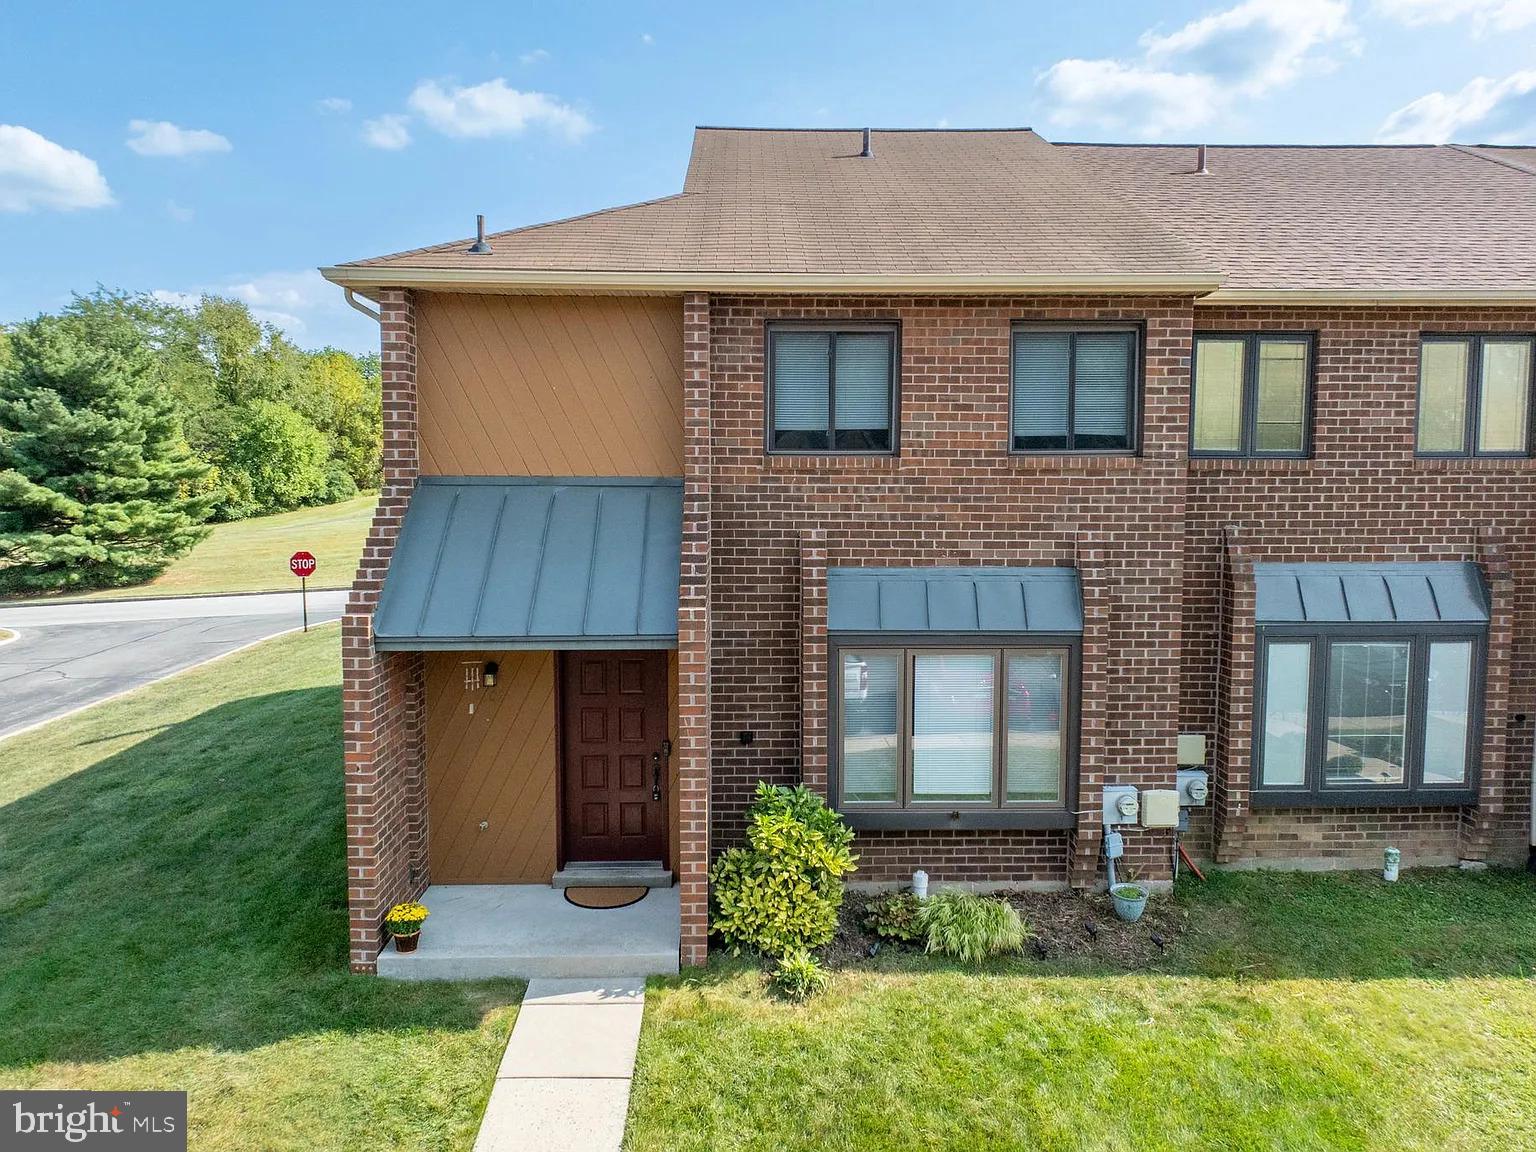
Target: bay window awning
[[530, 562], [1393, 593], [910, 601]]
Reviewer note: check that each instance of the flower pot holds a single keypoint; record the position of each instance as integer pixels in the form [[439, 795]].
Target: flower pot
[[407, 943], [1130, 901]]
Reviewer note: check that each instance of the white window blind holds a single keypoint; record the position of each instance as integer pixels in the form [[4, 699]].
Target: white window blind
[[801, 362], [863, 380], [954, 710], [1041, 364], [1101, 399]]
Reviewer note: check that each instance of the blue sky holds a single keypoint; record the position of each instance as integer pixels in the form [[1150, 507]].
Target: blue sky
[[185, 147]]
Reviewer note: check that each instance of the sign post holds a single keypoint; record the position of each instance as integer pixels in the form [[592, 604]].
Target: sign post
[[302, 565]]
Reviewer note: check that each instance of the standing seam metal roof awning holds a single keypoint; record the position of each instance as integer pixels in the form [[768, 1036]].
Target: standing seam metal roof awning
[[917, 600], [1404, 593], [511, 562]]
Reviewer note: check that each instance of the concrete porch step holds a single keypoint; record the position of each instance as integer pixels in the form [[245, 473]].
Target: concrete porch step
[[461, 964], [613, 874]]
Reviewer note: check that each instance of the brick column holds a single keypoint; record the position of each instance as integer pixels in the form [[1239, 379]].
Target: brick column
[[813, 660], [1480, 822], [1233, 755], [383, 694], [693, 637], [1093, 689]]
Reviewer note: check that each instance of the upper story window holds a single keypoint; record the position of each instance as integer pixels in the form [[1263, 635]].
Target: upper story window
[[1074, 388], [1367, 715], [1250, 395], [831, 389], [1475, 396]]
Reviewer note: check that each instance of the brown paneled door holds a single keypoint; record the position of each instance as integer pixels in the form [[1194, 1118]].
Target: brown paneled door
[[614, 755]]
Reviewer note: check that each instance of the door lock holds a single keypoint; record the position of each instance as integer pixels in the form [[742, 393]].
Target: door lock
[[655, 775]]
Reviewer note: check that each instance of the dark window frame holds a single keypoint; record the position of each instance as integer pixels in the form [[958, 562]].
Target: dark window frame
[[1135, 384], [1413, 792], [834, 329], [1474, 401], [929, 816], [1252, 340]]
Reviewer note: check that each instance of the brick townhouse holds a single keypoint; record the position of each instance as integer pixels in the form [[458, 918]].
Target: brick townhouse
[[962, 476]]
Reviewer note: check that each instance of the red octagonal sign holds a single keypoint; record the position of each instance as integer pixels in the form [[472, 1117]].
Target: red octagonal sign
[[302, 564]]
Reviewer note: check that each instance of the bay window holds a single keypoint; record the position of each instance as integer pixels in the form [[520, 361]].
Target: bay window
[[1366, 715], [945, 736]]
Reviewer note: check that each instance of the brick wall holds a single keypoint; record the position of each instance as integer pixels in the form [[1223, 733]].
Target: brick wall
[[953, 496], [1363, 497], [1156, 657], [383, 694]]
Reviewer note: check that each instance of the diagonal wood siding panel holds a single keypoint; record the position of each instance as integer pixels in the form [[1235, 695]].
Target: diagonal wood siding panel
[[497, 765], [550, 385]]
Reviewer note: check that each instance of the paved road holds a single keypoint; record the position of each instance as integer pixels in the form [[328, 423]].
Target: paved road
[[69, 655]]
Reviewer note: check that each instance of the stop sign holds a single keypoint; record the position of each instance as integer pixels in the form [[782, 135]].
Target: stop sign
[[302, 564]]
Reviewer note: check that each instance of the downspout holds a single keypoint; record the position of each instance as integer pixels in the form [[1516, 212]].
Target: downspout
[[360, 306]]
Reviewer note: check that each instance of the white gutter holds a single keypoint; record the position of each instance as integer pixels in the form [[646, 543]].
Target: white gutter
[[360, 306], [675, 283]]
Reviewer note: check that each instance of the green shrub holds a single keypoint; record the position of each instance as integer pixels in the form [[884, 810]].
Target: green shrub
[[798, 976], [1129, 891], [970, 927], [780, 893], [894, 916]]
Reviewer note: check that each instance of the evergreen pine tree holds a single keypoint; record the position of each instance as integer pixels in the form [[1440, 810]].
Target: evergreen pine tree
[[97, 484]]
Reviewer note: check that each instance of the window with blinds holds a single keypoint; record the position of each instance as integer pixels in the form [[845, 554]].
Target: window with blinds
[[831, 390], [953, 728], [1250, 395], [1073, 390], [1475, 395]]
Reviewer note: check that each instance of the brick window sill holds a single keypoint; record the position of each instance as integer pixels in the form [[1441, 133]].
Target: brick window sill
[[1474, 463], [1249, 464], [1073, 462], [795, 464]]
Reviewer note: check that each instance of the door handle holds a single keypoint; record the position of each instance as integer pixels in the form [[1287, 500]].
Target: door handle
[[655, 775]]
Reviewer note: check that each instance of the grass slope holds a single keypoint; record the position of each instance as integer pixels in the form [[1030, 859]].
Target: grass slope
[[252, 555], [177, 920], [1298, 1012]]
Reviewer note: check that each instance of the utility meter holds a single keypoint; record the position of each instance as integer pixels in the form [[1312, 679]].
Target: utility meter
[[1120, 804], [1126, 805]]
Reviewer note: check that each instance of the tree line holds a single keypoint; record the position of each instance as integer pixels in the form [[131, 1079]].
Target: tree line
[[127, 424]]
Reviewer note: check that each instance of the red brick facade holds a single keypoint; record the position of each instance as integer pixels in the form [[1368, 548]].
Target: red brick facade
[[1164, 548]]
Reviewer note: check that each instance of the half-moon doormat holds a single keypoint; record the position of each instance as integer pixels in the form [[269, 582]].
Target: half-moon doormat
[[605, 897]]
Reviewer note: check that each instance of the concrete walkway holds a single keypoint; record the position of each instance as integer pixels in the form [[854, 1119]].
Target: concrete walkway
[[563, 1084]]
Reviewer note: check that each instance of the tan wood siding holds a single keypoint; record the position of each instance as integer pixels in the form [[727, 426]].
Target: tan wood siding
[[550, 385], [497, 765]]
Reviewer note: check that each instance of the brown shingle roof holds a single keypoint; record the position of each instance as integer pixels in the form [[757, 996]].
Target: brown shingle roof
[[1337, 218], [980, 210]]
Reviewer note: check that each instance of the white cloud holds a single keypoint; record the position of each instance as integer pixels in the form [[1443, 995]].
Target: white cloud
[[37, 173], [389, 132], [179, 212], [1496, 111], [494, 109], [162, 138], [647, 39], [1497, 15], [308, 309], [537, 56], [334, 105], [1192, 76]]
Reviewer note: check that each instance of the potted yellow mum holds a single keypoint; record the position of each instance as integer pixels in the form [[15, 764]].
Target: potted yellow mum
[[404, 924]]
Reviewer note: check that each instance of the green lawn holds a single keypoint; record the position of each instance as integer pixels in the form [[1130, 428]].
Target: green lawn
[[176, 919], [252, 555], [1298, 1012]]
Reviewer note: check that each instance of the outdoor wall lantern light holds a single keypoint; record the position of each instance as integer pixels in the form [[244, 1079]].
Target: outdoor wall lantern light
[[490, 674]]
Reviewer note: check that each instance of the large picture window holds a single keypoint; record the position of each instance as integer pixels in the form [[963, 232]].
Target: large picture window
[[831, 389], [1074, 389], [1366, 715], [1251, 395], [952, 730], [1475, 395]]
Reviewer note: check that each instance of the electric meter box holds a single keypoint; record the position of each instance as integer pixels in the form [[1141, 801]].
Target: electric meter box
[[1160, 808], [1191, 749], [1120, 804], [1194, 788]]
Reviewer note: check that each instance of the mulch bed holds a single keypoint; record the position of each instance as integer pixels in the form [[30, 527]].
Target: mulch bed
[[1058, 923]]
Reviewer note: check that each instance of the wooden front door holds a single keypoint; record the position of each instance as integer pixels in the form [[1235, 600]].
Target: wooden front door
[[614, 755]]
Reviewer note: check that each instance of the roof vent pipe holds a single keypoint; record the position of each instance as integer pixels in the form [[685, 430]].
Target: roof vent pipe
[[479, 247], [1200, 168], [865, 152]]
